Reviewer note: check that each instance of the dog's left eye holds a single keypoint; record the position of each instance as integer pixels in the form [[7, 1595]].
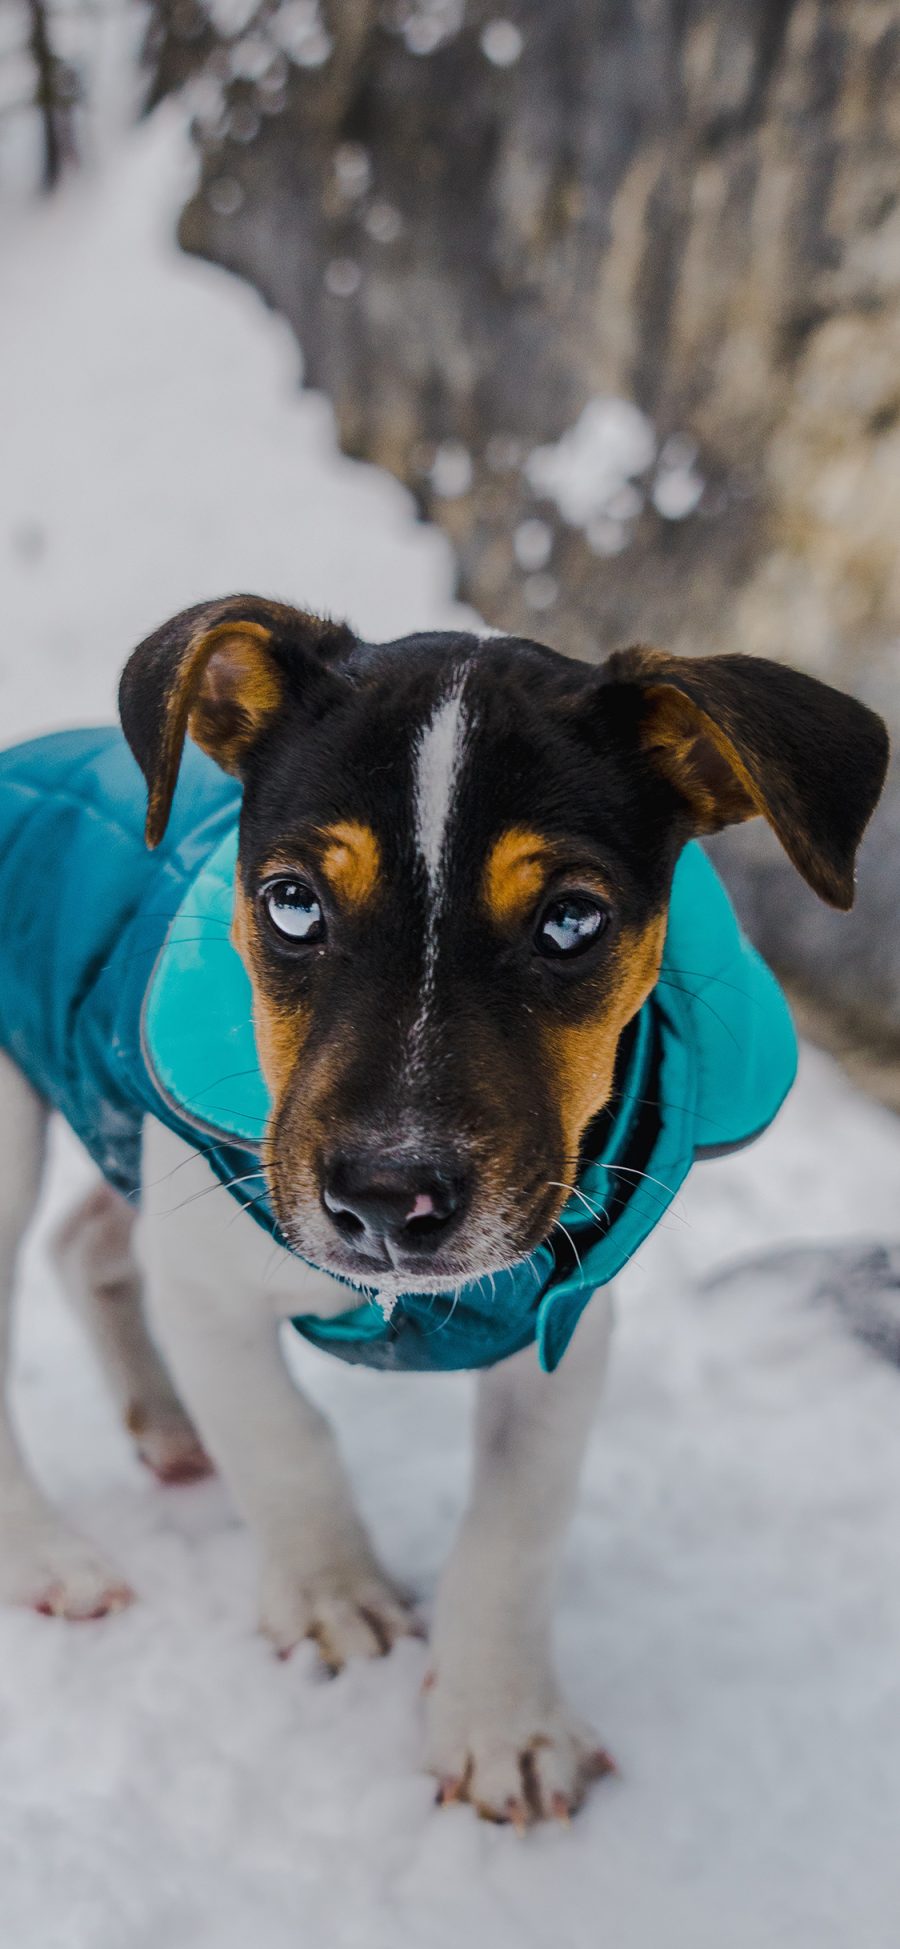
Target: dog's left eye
[[294, 910], [569, 925]]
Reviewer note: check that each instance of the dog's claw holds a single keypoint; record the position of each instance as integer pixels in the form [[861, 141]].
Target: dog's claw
[[57, 1602], [118, 1600], [176, 1460], [348, 1612], [175, 1475], [510, 1774]]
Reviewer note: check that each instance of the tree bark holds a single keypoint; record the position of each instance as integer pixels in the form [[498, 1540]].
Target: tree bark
[[478, 226], [55, 94]]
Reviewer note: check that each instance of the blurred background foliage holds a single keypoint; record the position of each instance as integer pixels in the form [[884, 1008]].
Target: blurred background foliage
[[613, 286]]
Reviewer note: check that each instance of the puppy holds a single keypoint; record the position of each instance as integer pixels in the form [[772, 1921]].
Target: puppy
[[398, 976]]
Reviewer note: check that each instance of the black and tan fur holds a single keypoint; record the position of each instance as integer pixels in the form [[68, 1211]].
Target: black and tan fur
[[570, 779]]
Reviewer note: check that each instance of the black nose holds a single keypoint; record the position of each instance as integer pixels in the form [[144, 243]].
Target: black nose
[[375, 1202]]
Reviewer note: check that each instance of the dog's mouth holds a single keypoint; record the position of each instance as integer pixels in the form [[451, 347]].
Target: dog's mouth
[[424, 1260], [436, 1278], [392, 1272]]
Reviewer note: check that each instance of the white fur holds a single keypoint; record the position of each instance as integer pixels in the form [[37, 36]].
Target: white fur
[[495, 1694], [42, 1561], [439, 760], [94, 1255], [216, 1294]]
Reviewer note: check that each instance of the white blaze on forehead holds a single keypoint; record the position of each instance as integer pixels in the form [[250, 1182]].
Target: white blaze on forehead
[[439, 756]]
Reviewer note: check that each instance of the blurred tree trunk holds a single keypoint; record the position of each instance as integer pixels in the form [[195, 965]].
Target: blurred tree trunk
[[479, 225], [56, 91]]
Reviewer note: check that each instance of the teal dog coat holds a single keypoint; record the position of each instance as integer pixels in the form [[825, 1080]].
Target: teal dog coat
[[121, 996]]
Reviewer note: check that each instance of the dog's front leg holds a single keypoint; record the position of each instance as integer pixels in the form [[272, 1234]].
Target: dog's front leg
[[214, 1315], [499, 1731], [43, 1563]]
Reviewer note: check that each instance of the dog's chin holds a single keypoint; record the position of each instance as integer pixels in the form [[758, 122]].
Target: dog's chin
[[435, 1276], [431, 1281]]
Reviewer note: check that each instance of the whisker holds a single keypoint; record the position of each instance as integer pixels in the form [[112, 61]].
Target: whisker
[[162, 913], [710, 980], [560, 1227], [457, 1295], [656, 1103], [678, 990], [493, 1285], [221, 1184], [247, 1116], [153, 952], [271, 1260], [596, 1211], [232, 1076], [241, 1208], [146, 1184], [629, 1170]]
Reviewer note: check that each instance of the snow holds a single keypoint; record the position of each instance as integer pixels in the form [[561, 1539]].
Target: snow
[[533, 544], [298, 28], [353, 170], [502, 42], [591, 471], [427, 25], [584, 471], [451, 470], [156, 451], [383, 222], [730, 1609], [678, 487], [101, 46], [343, 277]]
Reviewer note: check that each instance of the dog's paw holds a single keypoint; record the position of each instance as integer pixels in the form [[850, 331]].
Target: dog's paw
[[349, 1612], [168, 1445], [532, 1763], [52, 1570]]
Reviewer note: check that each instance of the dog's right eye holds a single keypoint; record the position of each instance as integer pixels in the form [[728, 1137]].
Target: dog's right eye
[[569, 925], [294, 911]]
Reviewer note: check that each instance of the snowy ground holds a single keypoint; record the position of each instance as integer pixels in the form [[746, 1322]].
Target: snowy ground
[[730, 1613]]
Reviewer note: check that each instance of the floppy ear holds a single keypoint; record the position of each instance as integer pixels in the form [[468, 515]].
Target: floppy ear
[[222, 671], [738, 735]]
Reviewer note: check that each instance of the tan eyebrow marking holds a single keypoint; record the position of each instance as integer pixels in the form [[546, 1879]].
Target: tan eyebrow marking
[[351, 860], [515, 871]]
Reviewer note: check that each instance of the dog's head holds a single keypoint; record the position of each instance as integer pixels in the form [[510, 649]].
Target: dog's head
[[454, 868]]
